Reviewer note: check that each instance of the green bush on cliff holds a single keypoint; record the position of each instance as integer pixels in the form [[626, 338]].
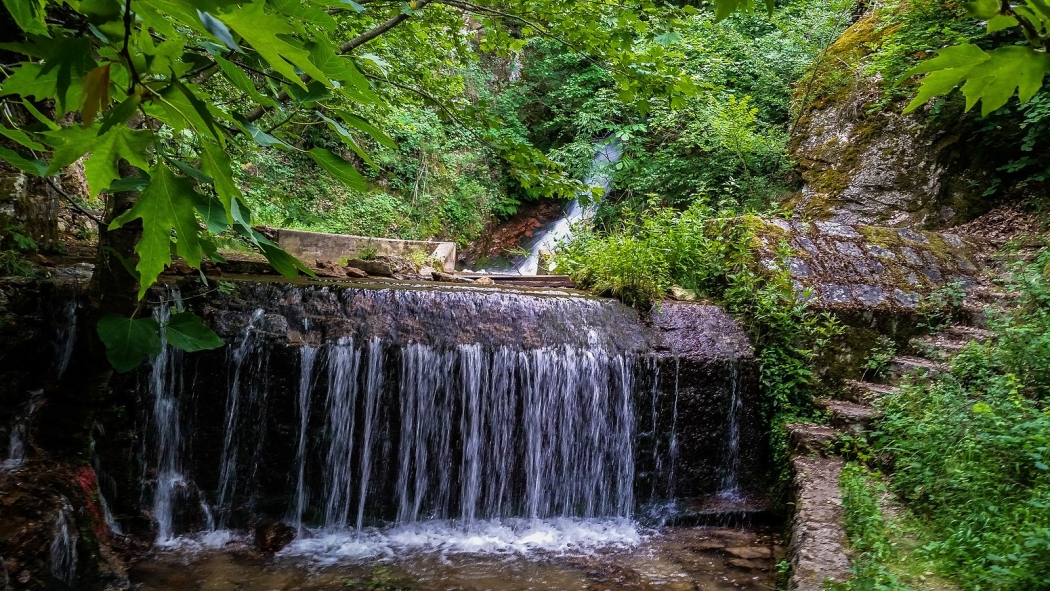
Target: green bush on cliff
[[708, 250]]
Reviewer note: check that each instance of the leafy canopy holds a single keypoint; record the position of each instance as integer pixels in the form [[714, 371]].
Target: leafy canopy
[[992, 77], [135, 81]]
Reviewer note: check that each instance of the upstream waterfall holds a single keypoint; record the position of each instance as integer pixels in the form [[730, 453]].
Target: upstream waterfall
[[576, 212]]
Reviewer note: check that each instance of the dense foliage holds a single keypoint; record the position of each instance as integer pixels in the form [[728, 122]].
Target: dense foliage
[[726, 143], [871, 63], [715, 255], [970, 456], [156, 96]]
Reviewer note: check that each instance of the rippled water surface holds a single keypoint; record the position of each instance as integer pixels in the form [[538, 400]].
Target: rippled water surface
[[510, 556]]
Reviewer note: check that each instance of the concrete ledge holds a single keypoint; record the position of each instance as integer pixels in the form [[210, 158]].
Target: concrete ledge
[[337, 247]]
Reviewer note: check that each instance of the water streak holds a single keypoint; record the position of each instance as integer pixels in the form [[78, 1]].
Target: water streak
[[63, 555], [547, 239], [228, 469], [344, 362], [165, 386], [730, 485], [308, 356], [373, 389]]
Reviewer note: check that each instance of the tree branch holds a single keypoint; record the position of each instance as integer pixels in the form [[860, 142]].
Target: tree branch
[[348, 47]]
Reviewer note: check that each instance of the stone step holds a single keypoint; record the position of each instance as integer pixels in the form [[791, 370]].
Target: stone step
[[905, 365], [851, 417], [867, 392], [811, 438], [952, 339], [994, 295], [818, 536]]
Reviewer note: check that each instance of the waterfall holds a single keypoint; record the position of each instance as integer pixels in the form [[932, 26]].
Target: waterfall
[[373, 388], [16, 451], [245, 351], [165, 387], [672, 451], [480, 434], [307, 356], [63, 556], [730, 485], [421, 414], [344, 362], [66, 336], [560, 230]]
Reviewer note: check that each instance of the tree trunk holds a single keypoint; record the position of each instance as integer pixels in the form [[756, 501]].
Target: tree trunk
[[64, 428]]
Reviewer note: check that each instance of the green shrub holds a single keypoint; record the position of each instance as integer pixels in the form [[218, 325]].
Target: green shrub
[[716, 256], [867, 530], [972, 451]]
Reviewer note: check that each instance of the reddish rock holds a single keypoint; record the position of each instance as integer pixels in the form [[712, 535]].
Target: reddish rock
[[272, 537]]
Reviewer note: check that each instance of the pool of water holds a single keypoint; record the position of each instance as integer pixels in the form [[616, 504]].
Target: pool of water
[[507, 557]]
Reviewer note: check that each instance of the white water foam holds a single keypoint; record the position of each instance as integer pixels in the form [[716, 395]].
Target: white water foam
[[497, 537]]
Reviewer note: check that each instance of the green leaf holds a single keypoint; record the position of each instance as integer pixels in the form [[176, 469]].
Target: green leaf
[[240, 80], [129, 341], [339, 168], [347, 138], [214, 214], [982, 9], [32, 166], [28, 15], [1008, 68], [284, 263], [120, 113], [21, 137], [948, 70], [39, 116], [264, 32], [118, 143], [314, 92], [1000, 22], [186, 110], [261, 137], [186, 332], [67, 62], [130, 183], [166, 204], [218, 30], [216, 163], [363, 125]]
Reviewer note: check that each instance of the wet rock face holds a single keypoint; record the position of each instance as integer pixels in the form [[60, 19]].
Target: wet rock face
[[885, 169], [31, 204], [705, 362], [443, 318]]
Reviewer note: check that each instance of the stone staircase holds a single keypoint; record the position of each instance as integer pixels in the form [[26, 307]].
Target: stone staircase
[[819, 547]]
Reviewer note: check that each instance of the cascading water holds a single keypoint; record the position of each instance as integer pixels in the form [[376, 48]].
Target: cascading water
[[63, 557], [66, 336], [245, 352], [464, 420], [730, 485], [560, 230], [165, 388], [307, 357]]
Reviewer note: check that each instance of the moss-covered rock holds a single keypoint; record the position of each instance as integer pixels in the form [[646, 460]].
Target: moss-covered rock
[[864, 162]]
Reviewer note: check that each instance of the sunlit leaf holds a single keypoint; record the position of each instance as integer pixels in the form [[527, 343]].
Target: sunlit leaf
[[342, 170], [166, 205]]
